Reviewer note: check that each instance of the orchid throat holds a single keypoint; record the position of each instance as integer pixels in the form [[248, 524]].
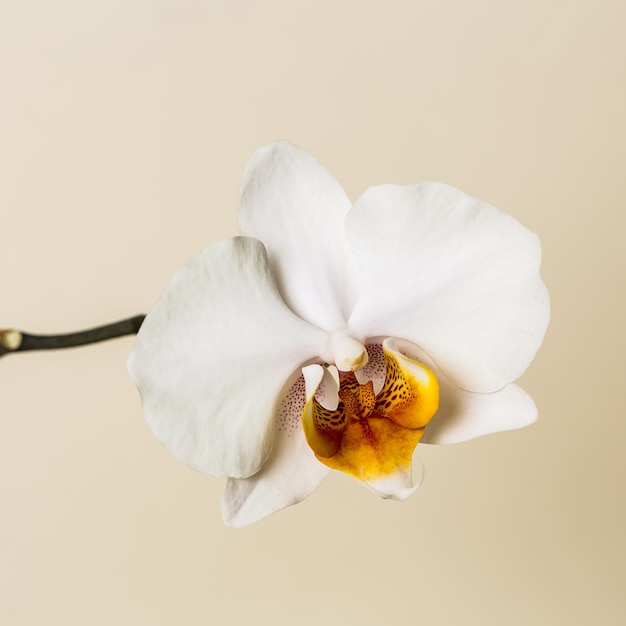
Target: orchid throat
[[366, 421]]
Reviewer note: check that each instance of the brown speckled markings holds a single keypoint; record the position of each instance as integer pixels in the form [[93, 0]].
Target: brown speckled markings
[[327, 420], [368, 435], [371, 435], [396, 394]]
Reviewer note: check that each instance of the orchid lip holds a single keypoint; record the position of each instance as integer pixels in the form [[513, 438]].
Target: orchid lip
[[371, 432]]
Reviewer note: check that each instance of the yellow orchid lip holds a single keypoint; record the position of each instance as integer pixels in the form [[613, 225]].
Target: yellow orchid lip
[[373, 435]]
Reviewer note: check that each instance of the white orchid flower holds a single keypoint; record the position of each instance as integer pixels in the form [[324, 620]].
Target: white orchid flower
[[328, 335]]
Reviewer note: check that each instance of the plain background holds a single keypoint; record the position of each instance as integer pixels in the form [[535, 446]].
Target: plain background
[[124, 128]]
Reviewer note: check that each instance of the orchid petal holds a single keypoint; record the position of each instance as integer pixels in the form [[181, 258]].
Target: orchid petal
[[212, 356], [292, 204], [451, 274], [290, 474], [464, 415]]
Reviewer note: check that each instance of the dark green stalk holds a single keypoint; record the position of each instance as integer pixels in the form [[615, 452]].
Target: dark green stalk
[[18, 341]]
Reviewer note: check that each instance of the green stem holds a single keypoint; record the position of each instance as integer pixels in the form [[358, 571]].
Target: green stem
[[18, 341]]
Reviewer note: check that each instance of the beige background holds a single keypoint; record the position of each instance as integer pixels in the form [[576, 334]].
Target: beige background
[[124, 128]]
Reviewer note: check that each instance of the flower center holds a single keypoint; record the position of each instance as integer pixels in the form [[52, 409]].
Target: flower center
[[371, 435], [350, 355]]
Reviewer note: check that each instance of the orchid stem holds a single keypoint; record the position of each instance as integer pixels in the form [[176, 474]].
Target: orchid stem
[[18, 341]]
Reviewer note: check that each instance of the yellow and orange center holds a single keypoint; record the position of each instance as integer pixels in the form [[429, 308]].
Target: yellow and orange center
[[369, 435]]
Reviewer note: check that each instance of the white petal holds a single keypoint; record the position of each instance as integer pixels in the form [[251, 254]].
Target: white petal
[[464, 415], [297, 209], [453, 275], [212, 356], [291, 473]]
